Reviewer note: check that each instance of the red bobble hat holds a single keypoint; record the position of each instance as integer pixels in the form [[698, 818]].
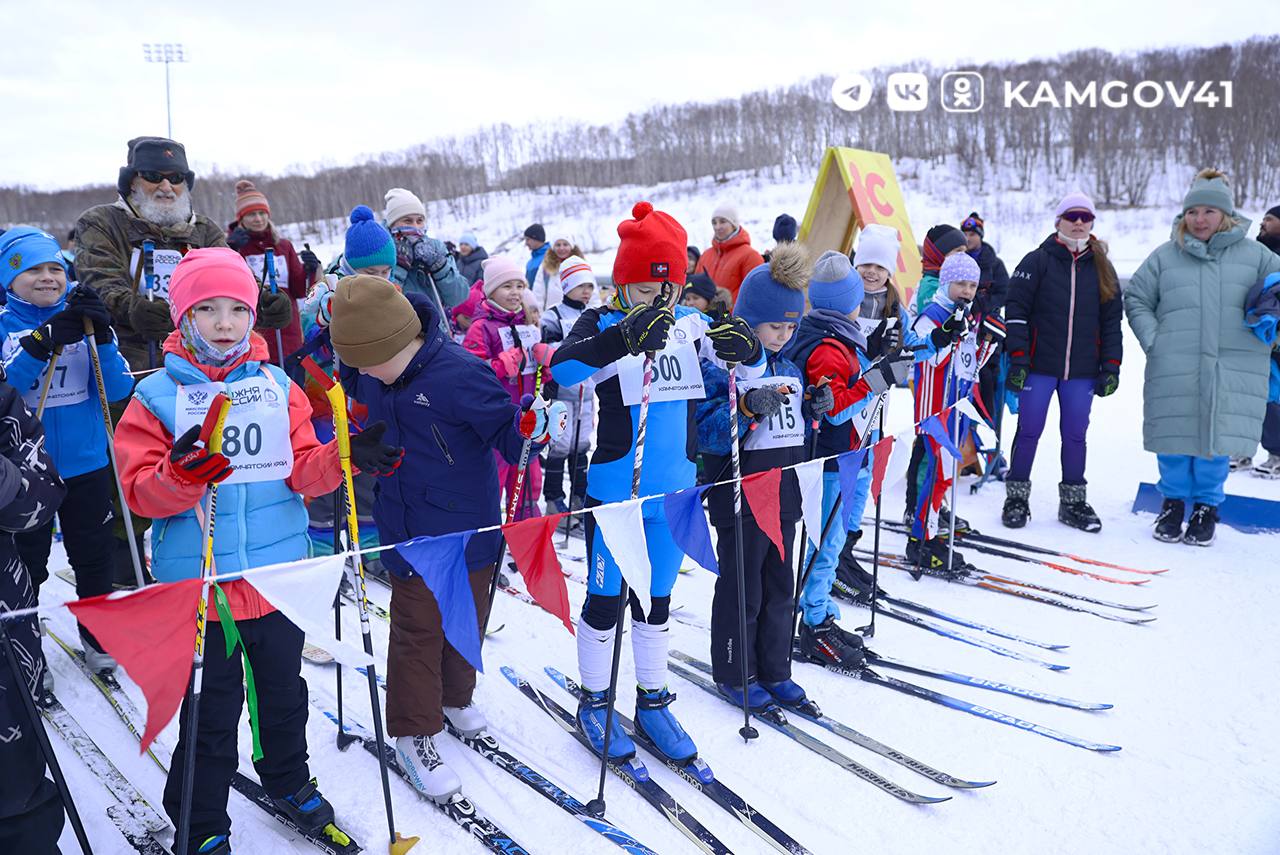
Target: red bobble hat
[[652, 248]]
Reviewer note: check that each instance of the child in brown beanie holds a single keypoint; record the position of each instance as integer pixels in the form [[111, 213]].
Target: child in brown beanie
[[450, 413]]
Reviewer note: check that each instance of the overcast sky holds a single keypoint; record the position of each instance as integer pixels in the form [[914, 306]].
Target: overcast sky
[[269, 85]]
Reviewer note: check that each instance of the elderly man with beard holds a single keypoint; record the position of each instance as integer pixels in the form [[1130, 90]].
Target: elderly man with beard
[[154, 205]]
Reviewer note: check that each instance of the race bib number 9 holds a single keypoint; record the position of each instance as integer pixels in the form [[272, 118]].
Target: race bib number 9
[[163, 262], [529, 336], [255, 437], [784, 428]]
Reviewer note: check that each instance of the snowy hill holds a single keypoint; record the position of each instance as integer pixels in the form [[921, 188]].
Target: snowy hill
[[1194, 695]]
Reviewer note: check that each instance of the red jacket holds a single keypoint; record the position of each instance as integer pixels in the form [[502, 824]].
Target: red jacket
[[291, 277], [143, 445], [728, 262]]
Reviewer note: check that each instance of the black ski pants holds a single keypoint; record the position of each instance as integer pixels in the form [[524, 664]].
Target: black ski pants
[[770, 596]]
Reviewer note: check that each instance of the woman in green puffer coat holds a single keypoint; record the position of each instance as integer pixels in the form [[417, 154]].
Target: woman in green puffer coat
[[1206, 380]]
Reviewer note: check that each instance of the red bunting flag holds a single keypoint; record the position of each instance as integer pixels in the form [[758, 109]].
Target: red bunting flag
[[152, 634], [761, 492], [881, 453], [530, 544]]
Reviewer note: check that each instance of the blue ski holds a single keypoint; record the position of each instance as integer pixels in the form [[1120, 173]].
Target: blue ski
[[984, 683]]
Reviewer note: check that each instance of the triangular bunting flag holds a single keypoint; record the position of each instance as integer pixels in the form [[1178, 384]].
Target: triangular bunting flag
[[303, 591], [152, 634], [761, 492], [936, 427], [881, 453], [531, 548], [809, 476], [622, 527], [850, 464], [965, 406], [689, 527], [442, 564]]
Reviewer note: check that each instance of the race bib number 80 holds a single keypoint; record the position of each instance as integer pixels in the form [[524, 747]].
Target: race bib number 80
[[255, 437]]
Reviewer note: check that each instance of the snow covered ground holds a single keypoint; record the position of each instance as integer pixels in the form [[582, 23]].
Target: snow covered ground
[[1194, 693]]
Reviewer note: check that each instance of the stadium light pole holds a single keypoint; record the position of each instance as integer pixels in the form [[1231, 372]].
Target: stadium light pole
[[165, 52]]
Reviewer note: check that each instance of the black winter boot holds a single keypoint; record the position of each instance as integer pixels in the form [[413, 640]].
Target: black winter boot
[[853, 581], [1016, 504], [1202, 527], [1169, 522], [825, 644], [1074, 510], [930, 558]]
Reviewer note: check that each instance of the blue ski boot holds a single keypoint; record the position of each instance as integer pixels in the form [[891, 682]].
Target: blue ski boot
[[757, 698], [218, 844], [309, 810], [660, 726], [593, 711], [789, 694]]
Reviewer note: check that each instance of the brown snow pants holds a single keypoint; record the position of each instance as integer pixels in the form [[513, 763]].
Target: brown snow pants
[[424, 672]]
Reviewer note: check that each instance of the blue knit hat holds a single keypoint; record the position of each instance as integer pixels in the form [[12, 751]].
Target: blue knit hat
[[470, 239], [784, 228], [24, 247], [835, 284], [368, 242], [774, 292]]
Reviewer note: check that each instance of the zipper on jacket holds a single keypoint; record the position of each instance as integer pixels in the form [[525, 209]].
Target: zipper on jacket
[[1071, 321], [444, 448]]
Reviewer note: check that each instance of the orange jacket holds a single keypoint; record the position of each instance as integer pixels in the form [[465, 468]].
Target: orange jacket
[[143, 445], [728, 262]]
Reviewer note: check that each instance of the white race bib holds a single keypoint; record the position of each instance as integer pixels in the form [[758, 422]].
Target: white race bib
[[529, 336], [70, 384], [676, 375], [163, 262], [257, 262], [784, 428], [255, 437], [967, 353]]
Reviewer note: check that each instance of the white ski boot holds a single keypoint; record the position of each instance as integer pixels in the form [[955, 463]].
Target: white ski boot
[[99, 662], [1269, 468], [427, 771], [467, 720]]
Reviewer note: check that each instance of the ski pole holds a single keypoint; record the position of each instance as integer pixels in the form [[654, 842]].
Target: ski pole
[[869, 631], [42, 740], [138, 575], [814, 427], [48, 380], [573, 464], [211, 434], [149, 273], [338, 402], [953, 379], [344, 739], [269, 269], [596, 806], [747, 732]]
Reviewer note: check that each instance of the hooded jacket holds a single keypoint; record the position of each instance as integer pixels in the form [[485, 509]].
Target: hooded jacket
[[257, 523], [75, 435], [470, 265], [827, 344], [106, 236], [450, 414], [728, 262], [485, 341], [1207, 373]]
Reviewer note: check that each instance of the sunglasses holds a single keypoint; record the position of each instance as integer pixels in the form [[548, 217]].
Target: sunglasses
[[174, 178], [970, 225], [1078, 217]]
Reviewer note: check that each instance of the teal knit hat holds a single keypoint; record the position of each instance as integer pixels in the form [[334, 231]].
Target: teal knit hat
[[368, 242], [1210, 188]]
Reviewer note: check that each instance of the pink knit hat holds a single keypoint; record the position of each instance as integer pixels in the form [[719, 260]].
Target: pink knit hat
[[499, 269], [206, 273]]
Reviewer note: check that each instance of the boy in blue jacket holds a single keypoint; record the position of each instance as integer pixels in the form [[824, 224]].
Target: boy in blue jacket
[[608, 344], [44, 316], [450, 413], [772, 424]]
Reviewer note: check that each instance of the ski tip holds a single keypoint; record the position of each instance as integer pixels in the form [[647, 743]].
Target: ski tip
[[554, 673], [1058, 646], [1100, 707], [929, 800], [514, 678], [1057, 667], [974, 785], [1104, 748]]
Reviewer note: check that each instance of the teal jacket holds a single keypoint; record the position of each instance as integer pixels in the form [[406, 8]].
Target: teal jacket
[[1206, 378]]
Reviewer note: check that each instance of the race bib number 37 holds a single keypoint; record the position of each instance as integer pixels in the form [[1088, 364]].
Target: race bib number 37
[[255, 437]]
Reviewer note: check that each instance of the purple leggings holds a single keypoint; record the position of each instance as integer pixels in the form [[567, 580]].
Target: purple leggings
[[1075, 399]]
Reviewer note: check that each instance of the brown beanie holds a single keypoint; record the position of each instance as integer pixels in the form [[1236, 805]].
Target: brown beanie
[[372, 321]]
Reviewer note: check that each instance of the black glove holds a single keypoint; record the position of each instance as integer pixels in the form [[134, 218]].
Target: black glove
[[1017, 378], [370, 454], [1106, 384], [889, 371], [734, 340], [87, 302], [949, 331], [890, 339], [66, 327], [645, 329], [150, 318], [992, 329], [763, 402], [818, 401], [38, 343], [310, 262], [275, 311], [239, 238]]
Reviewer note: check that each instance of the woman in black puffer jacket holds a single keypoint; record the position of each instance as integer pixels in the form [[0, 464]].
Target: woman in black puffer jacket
[[1063, 315]]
